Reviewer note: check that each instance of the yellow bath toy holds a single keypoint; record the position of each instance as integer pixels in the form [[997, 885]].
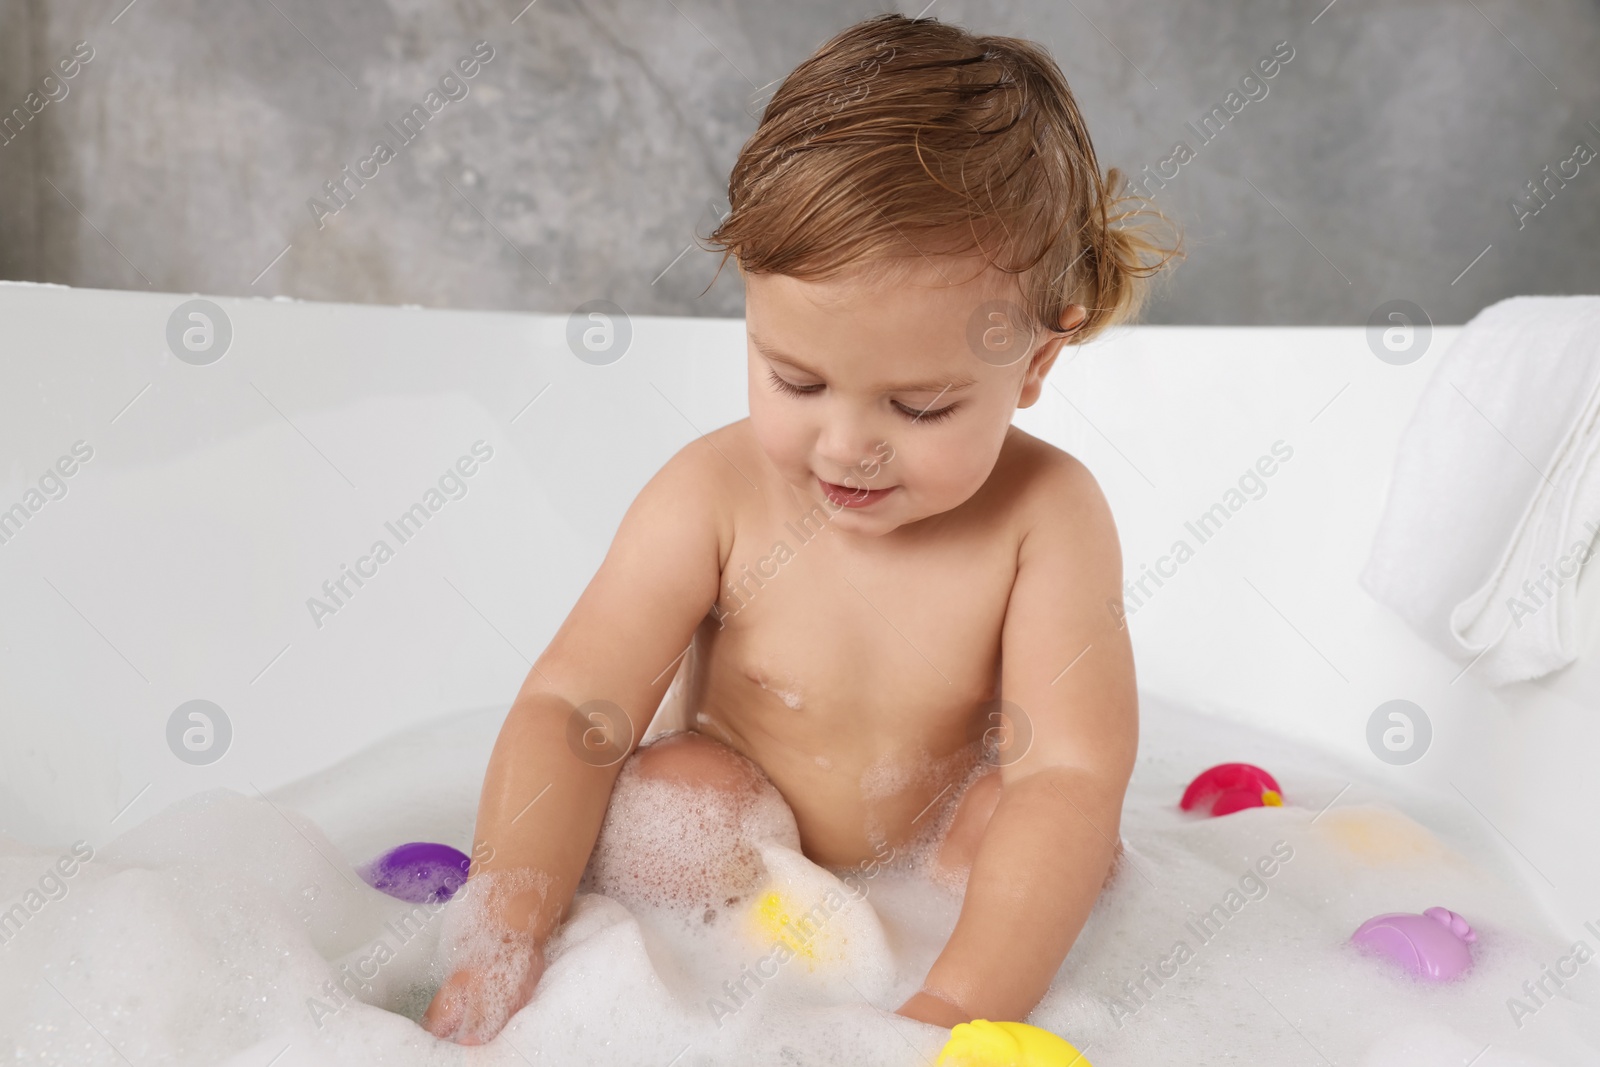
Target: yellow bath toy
[[817, 934], [774, 920], [982, 1043], [812, 916]]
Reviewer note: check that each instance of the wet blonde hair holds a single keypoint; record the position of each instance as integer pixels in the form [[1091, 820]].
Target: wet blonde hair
[[902, 139]]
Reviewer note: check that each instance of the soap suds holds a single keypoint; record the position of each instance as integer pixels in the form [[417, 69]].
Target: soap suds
[[790, 697], [192, 939], [503, 963], [944, 780], [668, 841]]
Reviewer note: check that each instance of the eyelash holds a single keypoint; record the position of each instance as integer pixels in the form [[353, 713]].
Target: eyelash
[[810, 390]]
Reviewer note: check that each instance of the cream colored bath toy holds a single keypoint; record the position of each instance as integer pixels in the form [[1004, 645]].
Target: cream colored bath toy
[[982, 1043], [1378, 836]]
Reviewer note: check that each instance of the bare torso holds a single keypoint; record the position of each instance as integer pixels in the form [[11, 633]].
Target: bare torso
[[854, 671]]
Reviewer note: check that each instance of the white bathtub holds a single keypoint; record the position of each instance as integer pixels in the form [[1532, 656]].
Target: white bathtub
[[218, 499]]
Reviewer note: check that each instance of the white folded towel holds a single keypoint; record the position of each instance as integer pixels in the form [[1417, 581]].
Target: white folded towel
[[1495, 497]]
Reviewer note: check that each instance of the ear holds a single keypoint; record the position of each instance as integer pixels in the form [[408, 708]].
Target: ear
[[1044, 356]]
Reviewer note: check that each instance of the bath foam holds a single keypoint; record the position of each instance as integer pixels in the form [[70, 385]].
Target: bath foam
[[806, 913], [923, 849], [944, 779], [667, 839], [199, 936], [884, 778], [502, 964]]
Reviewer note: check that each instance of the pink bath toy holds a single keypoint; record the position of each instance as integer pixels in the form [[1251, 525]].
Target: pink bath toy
[[420, 872], [1432, 945], [1234, 786]]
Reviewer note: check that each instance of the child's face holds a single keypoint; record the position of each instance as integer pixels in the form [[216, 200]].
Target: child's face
[[905, 391]]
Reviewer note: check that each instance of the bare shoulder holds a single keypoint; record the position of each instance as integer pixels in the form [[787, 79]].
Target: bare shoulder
[[706, 476], [1051, 483], [1064, 523], [659, 578], [704, 460]]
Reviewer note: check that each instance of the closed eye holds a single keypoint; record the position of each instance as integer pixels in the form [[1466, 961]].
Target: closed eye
[[914, 414], [927, 416], [789, 387]]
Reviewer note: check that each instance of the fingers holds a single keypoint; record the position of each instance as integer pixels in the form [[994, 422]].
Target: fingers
[[448, 1014], [445, 1010], [480, 1022], [473, 1006]]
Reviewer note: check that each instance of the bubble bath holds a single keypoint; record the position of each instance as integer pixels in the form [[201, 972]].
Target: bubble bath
[[233, 930]]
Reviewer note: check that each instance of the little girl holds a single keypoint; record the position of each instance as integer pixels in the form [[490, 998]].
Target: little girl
[[874, 575]]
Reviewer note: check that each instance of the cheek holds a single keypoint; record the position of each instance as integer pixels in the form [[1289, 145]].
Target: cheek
[[961, 465], [953, 465], [777, 428]]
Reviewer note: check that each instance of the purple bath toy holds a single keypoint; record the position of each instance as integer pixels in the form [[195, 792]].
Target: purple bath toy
[[1432, 946], [420, 872]]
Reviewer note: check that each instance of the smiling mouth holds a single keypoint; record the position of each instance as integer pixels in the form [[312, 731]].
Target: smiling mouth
[[845, 496]]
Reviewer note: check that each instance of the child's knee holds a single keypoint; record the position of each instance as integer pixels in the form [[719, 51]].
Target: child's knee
[[683, 822], [693, 759]]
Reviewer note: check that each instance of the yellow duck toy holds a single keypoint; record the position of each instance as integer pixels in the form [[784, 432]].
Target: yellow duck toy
[[982, 1043], [774, 918], [806, 913]]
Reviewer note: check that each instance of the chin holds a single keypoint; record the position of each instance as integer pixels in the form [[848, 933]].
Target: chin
[[865, 526]]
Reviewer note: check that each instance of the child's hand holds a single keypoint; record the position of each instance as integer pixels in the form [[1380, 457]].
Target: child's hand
[[475, 1001], [491, 956], [931, 1008]]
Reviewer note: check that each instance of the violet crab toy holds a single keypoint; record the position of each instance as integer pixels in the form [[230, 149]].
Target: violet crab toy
[[1434, 946]]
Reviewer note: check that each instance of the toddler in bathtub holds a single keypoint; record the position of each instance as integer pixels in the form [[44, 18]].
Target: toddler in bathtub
[[875, 570]]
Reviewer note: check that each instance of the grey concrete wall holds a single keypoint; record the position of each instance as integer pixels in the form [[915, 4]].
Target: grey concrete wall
[[1383, 162]]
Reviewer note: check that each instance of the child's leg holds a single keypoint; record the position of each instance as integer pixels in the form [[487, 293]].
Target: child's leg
[[965, 833], [682, 825]]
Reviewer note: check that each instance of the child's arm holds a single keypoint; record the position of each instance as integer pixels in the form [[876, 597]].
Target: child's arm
[[1053, 836], [542, 804]]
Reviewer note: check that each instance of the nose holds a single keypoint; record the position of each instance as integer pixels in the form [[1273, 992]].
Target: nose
[[845, 443]]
